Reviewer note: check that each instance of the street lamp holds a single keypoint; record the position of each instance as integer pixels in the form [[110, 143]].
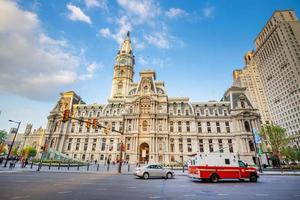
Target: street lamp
[[12, 144], [182, 152]]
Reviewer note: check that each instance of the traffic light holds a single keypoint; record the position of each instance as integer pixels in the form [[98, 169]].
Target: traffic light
[[66, 115], [94, 123], [88, 124]]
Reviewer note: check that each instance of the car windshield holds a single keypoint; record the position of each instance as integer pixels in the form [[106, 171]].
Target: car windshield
[[242, 164]]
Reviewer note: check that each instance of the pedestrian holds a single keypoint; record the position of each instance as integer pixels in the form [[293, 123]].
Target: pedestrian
[[26, 162], [95, 162], [1, 160]]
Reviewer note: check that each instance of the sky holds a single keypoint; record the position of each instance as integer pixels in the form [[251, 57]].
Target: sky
[[51, 46]]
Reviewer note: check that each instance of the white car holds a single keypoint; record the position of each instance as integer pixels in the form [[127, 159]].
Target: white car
[[153, 170]]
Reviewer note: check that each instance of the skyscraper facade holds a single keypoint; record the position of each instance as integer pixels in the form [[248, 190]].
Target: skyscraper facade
[[277, 56]]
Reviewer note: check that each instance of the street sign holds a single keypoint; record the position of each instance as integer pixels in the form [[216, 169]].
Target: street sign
[[256, 136]]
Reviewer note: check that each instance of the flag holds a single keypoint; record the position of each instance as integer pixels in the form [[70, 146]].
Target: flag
[[256, 136]]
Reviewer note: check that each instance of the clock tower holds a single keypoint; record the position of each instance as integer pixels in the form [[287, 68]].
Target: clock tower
[[123, 70]]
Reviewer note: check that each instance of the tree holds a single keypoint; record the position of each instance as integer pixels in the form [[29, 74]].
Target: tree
[[3, 136], [290, 154], [277, 139], [29, 152]]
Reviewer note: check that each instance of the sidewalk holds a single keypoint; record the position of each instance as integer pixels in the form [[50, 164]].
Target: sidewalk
[[113, 169]]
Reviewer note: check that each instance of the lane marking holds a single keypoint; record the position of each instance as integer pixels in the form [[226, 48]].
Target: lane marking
[[155, 197], [64, 192], [222, 194], [101, 189], [131, 187], [297, 195], [189, 195], [262, 195], [20, 197]]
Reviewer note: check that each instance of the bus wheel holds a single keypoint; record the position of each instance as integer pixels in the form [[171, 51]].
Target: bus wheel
[[214, 178]]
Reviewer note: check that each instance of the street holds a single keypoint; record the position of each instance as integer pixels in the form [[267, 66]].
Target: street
[[62, 185]]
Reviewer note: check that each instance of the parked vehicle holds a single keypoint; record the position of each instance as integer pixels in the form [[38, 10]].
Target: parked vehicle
[[215, 166], [153, 170]]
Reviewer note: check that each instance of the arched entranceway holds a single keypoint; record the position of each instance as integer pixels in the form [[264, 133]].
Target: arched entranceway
[[144, 153]]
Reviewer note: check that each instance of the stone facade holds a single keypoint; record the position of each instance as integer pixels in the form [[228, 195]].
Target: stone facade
[[157, 128]]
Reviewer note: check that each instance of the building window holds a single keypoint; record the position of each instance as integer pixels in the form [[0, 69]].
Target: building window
[[111, 144], [218, 127], [101, 157], [85, 146], [171, 126], [199, 127], [230, 145], [251, 145], [128, 146], [208, 127], [247, 126], [201, 147], [145, 124], [227, 127], [69, 144], [80, 127], [94, 145], [73, 127], [221, 149], [179, 126], [211, 147], [188, 127], [103, 144], [186, 112], [189, 145], [77, 144], [83, 156]]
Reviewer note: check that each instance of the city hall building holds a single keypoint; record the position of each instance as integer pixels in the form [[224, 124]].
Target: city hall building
[[156, 128]]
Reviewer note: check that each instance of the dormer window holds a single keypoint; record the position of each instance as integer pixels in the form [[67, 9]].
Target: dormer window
[[242, 104]]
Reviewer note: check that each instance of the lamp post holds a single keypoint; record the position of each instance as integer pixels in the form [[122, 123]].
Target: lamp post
[[255, 148], [182, 152], [12, 144]]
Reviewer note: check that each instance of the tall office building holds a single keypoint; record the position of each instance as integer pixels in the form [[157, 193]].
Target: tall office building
[[277, 57], [249, 78]]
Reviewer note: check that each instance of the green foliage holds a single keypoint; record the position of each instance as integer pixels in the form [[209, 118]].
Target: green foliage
[[29, 152], [14, 151], [3, 136], [276, 137], [290, 154]]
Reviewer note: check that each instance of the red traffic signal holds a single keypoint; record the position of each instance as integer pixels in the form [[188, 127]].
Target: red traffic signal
[[88, 124], [94, 123], [66, 115]]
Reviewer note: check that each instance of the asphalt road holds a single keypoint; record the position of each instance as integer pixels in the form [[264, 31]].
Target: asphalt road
[[46, 185]]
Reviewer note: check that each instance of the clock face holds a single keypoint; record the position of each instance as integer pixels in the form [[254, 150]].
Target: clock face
[[122, 61]]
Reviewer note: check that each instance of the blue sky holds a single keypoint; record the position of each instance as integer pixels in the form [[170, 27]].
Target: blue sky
[[52, 46]]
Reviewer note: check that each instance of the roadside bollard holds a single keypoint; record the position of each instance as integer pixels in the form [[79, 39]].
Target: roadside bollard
[[68, 166], [88, 167], [77, 167], [98, 167], [107, 167], [50, 166], [128, 167], [58, 166], [31, 165]]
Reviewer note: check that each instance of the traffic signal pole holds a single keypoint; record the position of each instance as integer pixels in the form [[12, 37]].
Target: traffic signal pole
[[66, 117]]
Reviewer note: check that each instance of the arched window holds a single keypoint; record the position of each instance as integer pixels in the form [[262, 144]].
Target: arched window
[[145, 89], [145, 125], [52, 143], [242, 104], [247, 126]]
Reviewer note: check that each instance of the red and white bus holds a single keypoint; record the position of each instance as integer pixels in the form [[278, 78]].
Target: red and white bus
[[215, 166]]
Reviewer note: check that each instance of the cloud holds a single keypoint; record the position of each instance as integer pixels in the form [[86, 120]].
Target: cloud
[[143, 9], [96, 3], [175, 13], [208, 11], [90, 71], [32, 64], [158, 39], [124, 25], [147, 62], [76, 14]]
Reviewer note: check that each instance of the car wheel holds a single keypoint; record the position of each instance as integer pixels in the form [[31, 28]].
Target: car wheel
[[169, 175], [214, 178], [253, 178], [146, 176]]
